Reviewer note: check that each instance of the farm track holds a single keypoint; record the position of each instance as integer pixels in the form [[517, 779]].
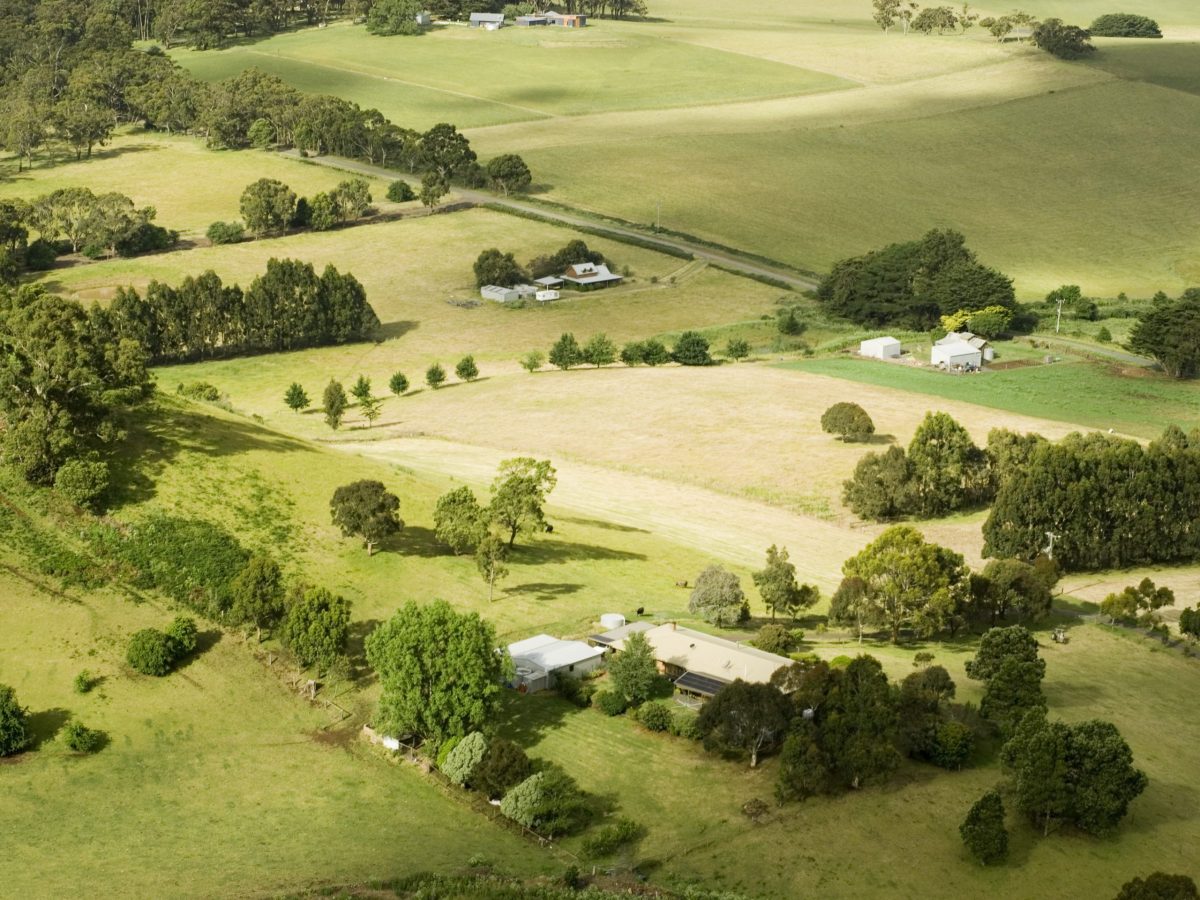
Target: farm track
[[728, 260]]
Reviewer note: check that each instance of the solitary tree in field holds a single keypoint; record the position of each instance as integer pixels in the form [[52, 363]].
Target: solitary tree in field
[[983, 830], [14, 736], [692, 350], [907, 581], [466, 370], [296, 398], [633, 671], [489, 560], [366, 509], [316, 627], [439, 670], [509, 173], [333, 403], [718, 598], [519, 493], [398, 384], [257, 594], [435, 376], [849, 421]]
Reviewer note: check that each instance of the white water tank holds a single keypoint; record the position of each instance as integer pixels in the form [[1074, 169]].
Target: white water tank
[[609, 621]]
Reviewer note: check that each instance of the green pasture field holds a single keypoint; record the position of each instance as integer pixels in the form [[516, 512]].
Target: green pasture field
[[1093, 395], [471, 77], [189, 185], [216, 781]]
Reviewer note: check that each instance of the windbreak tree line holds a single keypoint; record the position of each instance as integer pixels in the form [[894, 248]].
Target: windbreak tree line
[[288, 307]]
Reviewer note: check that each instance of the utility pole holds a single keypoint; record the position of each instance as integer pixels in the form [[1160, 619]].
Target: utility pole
[[657, 215], [1058, 321]]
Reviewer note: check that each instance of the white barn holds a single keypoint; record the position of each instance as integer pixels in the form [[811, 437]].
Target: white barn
[[955, 353], [538, 659], [880, 348]]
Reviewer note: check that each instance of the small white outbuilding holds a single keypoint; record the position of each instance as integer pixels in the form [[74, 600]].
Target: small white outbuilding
[[880, 348], [538, 659], [955, 355]]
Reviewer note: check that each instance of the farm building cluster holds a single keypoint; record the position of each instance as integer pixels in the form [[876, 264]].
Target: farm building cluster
[[578, 277], [958, 351], [492, 21], [698, 664]]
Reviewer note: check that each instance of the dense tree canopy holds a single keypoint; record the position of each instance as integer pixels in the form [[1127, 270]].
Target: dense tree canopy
[[439, 670], [746, 719], [1062, 40], [849, 421], [634, 672], [1169, 332], [367, 510], [388, 17], [911, 284], [1124, 25], [14, 733], [718, 597], [519, 493], [317, 626]]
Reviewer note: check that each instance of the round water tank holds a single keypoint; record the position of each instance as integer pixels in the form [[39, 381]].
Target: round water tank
[[609, 621]]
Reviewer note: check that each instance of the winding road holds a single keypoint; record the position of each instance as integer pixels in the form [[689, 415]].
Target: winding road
[[726, 259]]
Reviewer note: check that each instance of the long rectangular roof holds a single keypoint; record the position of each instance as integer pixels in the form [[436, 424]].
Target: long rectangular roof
[[551, 653], [706, 654], [609, 638]]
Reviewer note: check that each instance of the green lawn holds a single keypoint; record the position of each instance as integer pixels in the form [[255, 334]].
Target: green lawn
[[1088, 394], [450, 74]]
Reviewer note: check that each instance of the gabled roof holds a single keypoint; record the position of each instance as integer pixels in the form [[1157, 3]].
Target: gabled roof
[[619, 634], [589, 273], [705, 654], [551, 653]]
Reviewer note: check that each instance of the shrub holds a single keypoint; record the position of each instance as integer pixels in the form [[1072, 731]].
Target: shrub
[[81, 739], [84, 682], [40, 255], [445, 750], [464, 759], [575, 690], [1125, 25], [610, 703], [1104, 336], [146, 237], [548, 802], [849, 421], [692, 350], [400, 191], [983, 830], [435, 376], [83, 482], [199, 390], [609, 839], [775, 639], [183, 633], [655, 716], [14, 735], [466, 370], [686, 725], [503, 766], [398, 383], [151, 652], [226, 232]]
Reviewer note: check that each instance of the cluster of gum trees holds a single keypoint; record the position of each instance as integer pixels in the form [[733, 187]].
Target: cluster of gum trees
[[288, 307]]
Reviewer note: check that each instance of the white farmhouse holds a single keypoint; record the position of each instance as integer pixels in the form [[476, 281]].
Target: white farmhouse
[[880, 348]]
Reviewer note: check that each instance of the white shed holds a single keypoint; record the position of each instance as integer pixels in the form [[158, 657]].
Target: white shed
[[543, 296], [498, 293], [538, 659], [880, 348], [956, 354]]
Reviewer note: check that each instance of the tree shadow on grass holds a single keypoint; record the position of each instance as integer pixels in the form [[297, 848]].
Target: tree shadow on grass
[[554, 551], [158, 434], [600, 523], [356, 652], [44, 725], [414, 540], [543, 590], [205, 641], [525, 718], [390, 331]]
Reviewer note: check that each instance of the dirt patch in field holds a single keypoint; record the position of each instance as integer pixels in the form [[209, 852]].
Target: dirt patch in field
[[333, 737]]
